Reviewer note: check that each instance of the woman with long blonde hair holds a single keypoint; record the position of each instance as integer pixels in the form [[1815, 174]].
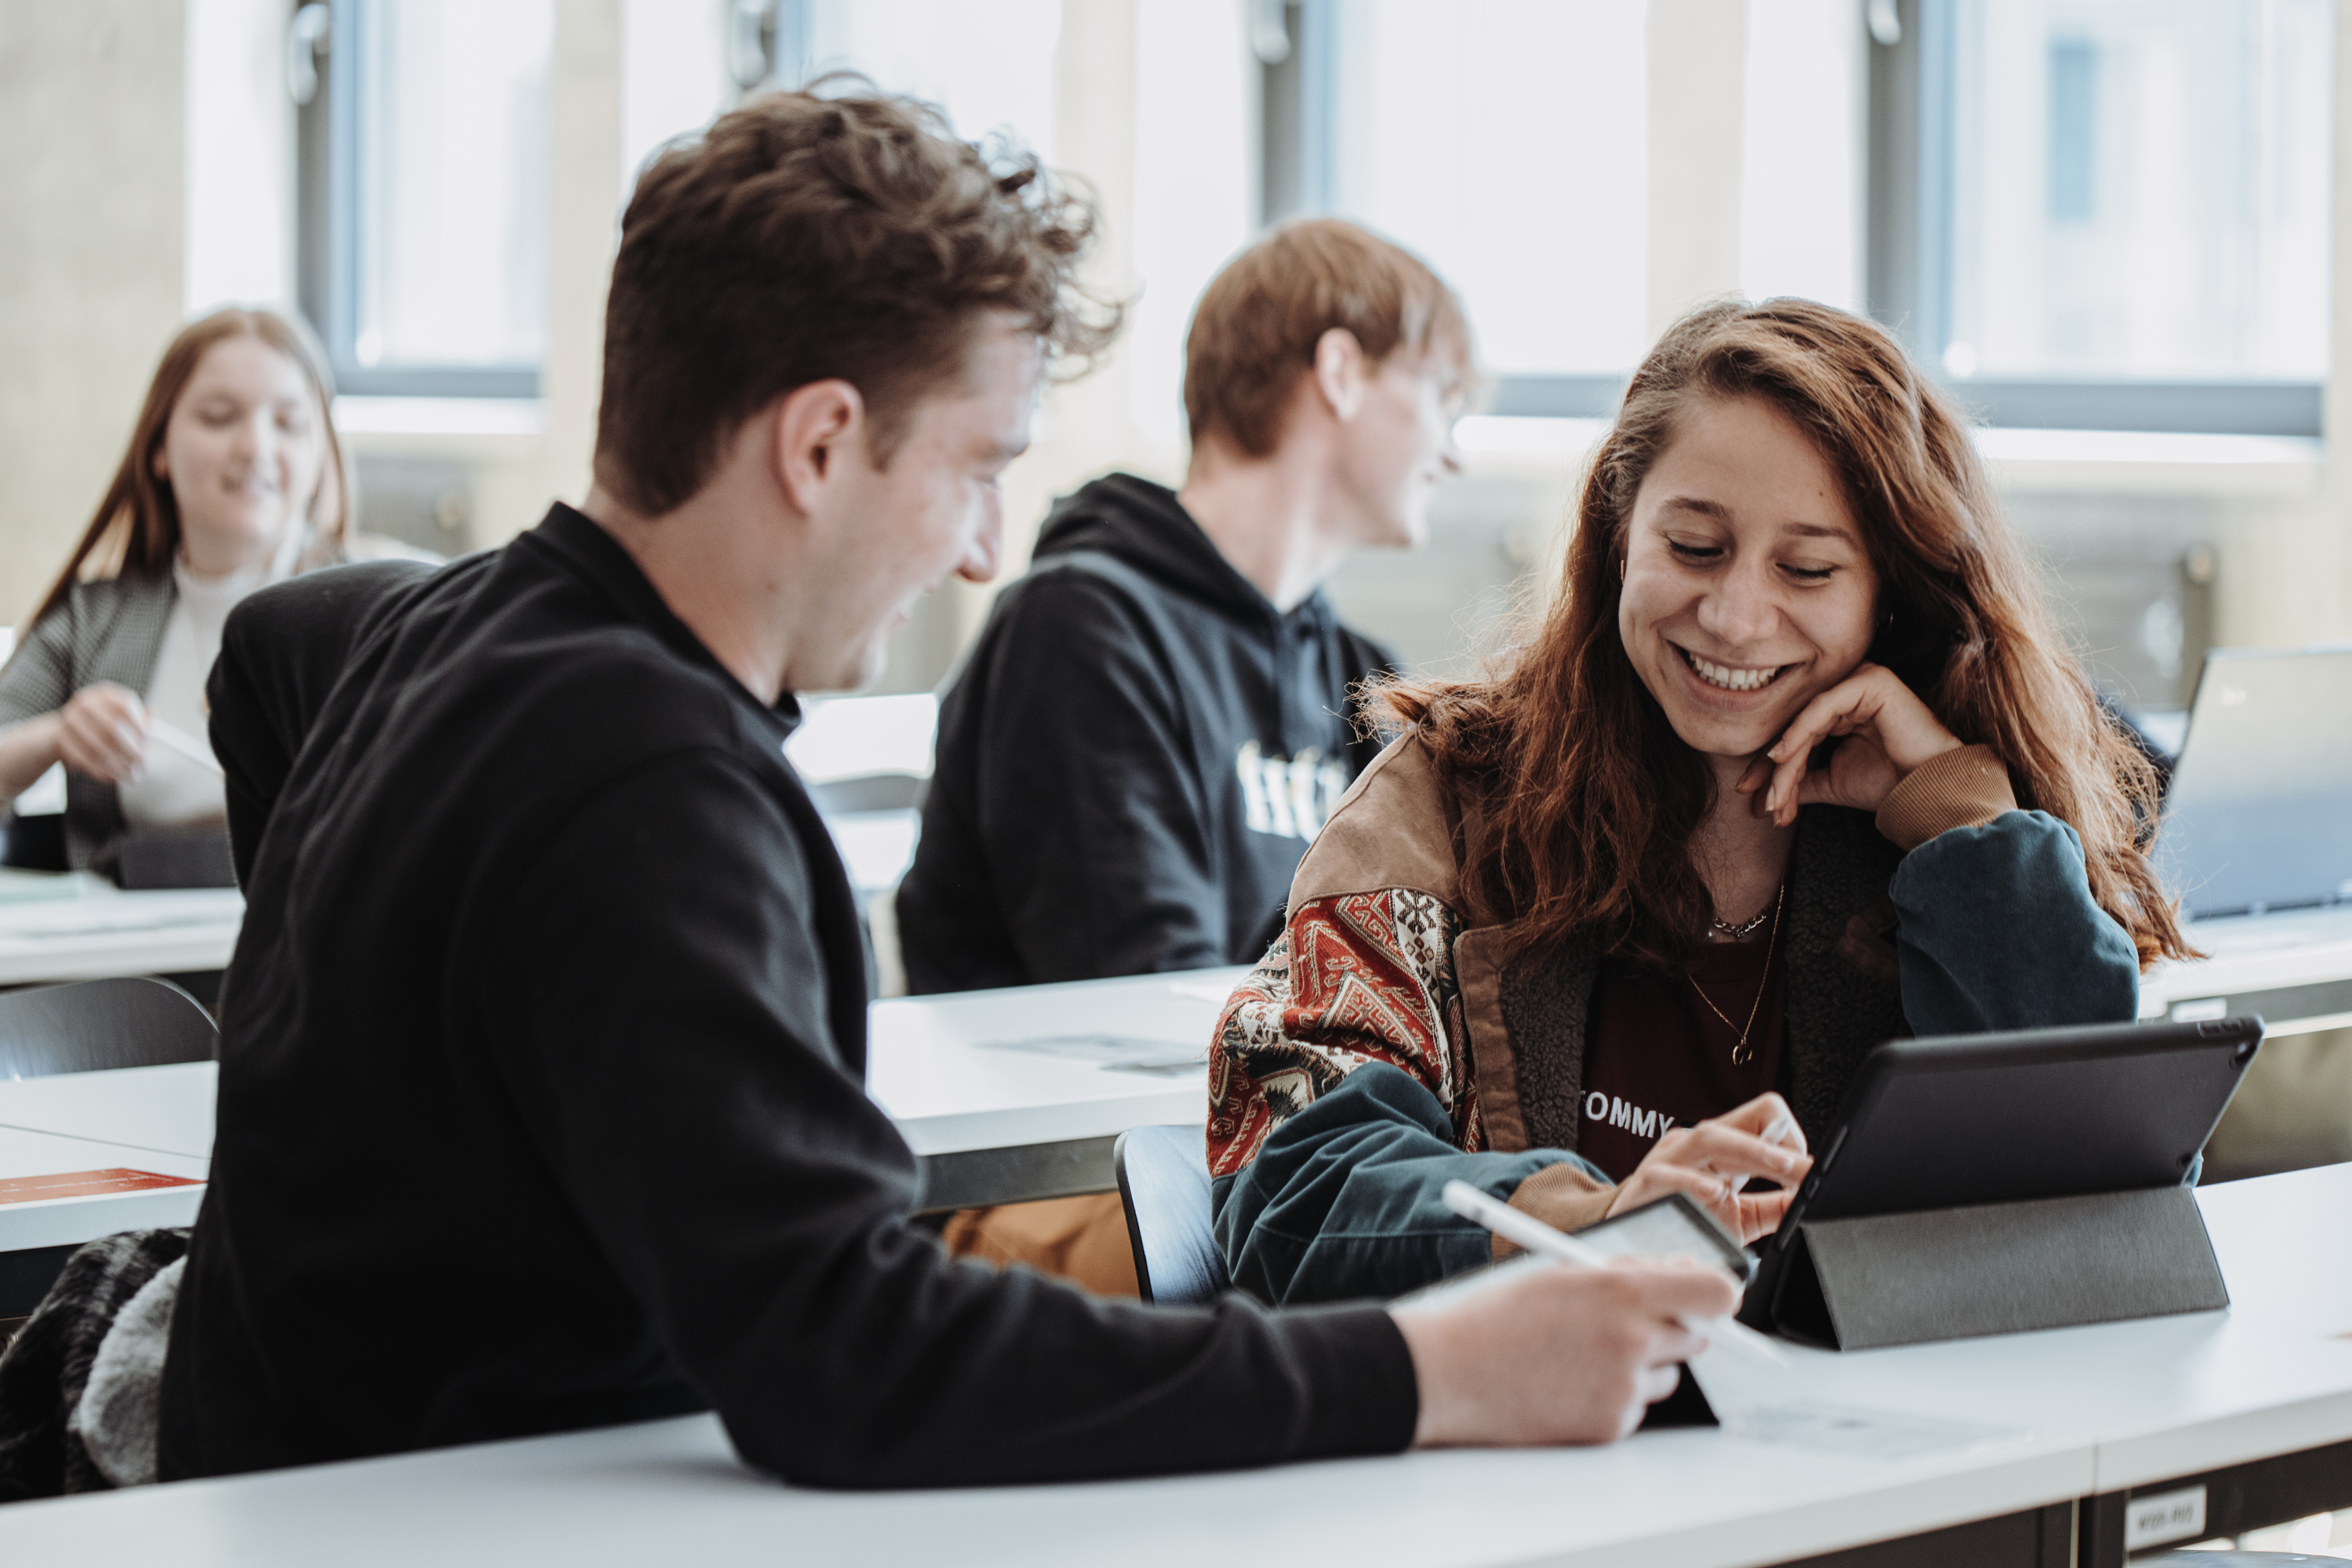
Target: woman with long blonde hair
[[1794, 765], [232, 478]]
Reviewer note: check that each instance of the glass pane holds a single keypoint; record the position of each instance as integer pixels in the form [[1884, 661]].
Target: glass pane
[[2140, 188], [991, 67], [1800, 168], [452, 174], [1505, 141]]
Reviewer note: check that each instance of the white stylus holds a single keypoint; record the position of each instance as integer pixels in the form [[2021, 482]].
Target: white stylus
[[188, 745], [1537, 1236]]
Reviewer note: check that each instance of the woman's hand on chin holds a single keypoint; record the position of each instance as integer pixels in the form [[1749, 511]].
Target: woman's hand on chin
[[1714, 1159], [1889, 731]]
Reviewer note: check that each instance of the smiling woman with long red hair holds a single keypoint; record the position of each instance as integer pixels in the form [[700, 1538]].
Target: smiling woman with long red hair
[[1793, 764], [233, 477]]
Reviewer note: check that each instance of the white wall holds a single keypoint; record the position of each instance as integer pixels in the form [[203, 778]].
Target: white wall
[[239, 155], [91, 269]]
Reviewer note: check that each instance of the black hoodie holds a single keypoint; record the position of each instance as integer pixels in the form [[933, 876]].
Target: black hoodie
[[1132, 761]]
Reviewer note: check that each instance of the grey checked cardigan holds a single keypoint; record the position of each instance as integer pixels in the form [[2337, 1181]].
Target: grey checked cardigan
[[111, 629]]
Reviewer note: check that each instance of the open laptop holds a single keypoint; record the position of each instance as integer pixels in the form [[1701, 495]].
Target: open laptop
[[2259, 816]]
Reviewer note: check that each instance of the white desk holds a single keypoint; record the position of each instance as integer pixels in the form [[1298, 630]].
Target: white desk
[[996, 1124], [140, 1119], [70, 1221], [2084, 1411], [102, 931], [2295, 968], [992, 1124]]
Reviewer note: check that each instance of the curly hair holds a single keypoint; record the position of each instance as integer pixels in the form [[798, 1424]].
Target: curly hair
[[1587, 800], [832, 232]]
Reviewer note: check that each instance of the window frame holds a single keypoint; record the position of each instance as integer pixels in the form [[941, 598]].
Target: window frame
[[1907, 276], [1298, 100], [327, 235]]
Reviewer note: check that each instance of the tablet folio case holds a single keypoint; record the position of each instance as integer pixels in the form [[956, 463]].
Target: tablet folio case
[[1874, 1281]]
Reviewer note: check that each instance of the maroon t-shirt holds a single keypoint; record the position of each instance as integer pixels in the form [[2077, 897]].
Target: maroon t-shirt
[[1655, 1056]]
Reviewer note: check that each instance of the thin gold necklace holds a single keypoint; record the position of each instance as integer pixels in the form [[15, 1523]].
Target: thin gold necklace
[[1741, 1055]]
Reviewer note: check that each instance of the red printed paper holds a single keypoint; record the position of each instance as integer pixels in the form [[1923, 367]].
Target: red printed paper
[[86, 1183]]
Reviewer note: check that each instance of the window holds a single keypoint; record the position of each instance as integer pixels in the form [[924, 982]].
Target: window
[[424, 171], [991, 67], [2108, 213], [1505, 141]]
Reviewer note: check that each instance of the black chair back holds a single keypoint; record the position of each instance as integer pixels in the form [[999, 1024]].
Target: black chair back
[[1163, 1183], [94, 1025]]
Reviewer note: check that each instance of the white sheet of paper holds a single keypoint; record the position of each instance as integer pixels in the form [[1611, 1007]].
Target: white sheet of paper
[[1122, 1053], [1850, 1429]]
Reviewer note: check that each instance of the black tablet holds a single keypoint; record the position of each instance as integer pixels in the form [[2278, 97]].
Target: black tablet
[[1960, 1119]]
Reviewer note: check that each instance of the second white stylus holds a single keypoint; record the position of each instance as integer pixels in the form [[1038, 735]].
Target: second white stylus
[[1537, 1236]]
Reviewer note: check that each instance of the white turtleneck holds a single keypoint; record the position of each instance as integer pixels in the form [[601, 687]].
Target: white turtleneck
[[173, 791]]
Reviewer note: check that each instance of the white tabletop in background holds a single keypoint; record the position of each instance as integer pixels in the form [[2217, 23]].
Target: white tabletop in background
[[165, 1107], [103, 931], [60, 1222], [935, 1063], [2254, 952], [2082, 1409], [935, 1067], [141, 1119]]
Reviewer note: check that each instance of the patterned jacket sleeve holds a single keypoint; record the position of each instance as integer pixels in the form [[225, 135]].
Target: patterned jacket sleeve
[[1339, 1107], [40, 677]]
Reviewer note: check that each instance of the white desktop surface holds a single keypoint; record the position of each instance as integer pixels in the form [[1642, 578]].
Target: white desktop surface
[[2087, 1409], [105, 931], [2271, 1375], [2256, 953], [163, 1108], [933, 1063], [61, 1222], [672, 1492], [933, 1069]]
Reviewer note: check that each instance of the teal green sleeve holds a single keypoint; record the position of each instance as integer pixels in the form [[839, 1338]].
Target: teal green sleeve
[[1996, 928], [1342, 1200]]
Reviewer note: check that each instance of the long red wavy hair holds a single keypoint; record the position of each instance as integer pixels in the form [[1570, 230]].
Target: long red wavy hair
[[1586, 801], [136, 528]]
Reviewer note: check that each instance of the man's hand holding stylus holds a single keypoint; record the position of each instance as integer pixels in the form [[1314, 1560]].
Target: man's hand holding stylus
[[1557, 1356]]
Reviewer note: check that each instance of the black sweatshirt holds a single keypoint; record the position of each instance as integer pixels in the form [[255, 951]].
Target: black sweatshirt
[[541, 1094], [1132, 761]]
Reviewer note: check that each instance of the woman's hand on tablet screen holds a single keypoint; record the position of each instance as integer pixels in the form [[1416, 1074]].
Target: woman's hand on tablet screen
[[1888, 731], [1712, 1161]]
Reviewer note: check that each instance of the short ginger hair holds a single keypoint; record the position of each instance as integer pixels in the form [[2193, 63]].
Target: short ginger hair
[[834, 232], [1254, 331]]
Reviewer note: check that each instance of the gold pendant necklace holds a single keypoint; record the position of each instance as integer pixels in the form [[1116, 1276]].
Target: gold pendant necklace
[[1741, 1055]]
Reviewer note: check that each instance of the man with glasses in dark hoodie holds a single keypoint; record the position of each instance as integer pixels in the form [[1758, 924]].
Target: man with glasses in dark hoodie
[[541, 1085], [1159, 714]]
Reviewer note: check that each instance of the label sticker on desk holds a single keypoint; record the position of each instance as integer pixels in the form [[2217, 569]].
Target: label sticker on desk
[[1848, 1429], [2164, 1516], [86, 1184], [1121, 1053]]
